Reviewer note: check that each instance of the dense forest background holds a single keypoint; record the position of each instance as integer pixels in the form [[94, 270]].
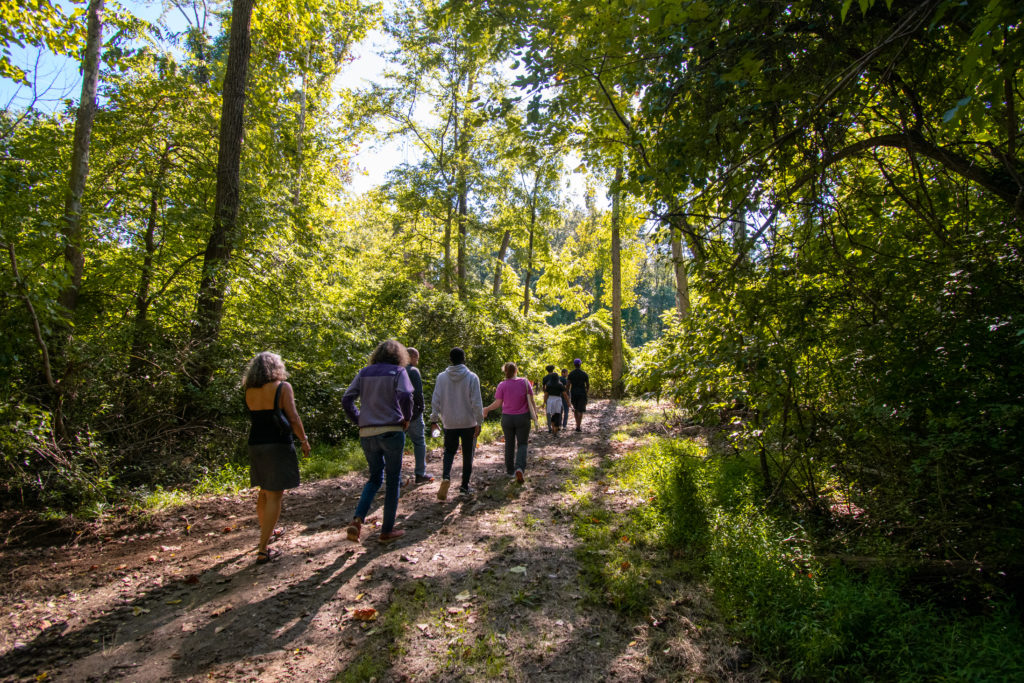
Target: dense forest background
[[799, 221]]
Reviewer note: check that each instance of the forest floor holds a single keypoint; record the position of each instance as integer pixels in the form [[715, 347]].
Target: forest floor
[[481, 587]]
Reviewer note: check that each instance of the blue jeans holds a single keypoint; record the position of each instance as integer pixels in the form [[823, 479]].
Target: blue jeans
[[517, 432], [419, 445], [384, 456], [565, 413], [452, 437]]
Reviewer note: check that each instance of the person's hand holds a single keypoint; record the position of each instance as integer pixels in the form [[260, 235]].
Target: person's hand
[[476, 431], [485, 413], [405, 425], [304, 447]]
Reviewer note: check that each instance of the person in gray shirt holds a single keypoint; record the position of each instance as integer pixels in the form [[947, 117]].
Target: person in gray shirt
[[459, 407]]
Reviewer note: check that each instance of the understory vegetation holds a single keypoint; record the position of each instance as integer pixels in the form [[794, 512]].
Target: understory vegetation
[[696, 516]]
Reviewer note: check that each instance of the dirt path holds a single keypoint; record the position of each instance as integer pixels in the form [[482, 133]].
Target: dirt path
[[481, 588]]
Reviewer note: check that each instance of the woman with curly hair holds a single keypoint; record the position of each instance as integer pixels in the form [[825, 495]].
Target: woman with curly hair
[[385, 393], [273, 464]]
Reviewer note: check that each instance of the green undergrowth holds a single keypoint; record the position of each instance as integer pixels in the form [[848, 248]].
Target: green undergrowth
[[696, 518]]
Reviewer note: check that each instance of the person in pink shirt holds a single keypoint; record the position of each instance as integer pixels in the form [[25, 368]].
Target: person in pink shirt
[[514, 398]]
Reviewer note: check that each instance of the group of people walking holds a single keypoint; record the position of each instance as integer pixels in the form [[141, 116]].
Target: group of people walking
[[385, 400]]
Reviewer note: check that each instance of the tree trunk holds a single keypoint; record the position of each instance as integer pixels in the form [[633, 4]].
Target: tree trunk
[[140, 331], [446, 276], [679, 266], [223, 238], [74, 257], [617, 391], [529, 253], [500, 265]]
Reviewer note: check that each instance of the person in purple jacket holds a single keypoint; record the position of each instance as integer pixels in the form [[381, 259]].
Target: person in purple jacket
[[385, 398]]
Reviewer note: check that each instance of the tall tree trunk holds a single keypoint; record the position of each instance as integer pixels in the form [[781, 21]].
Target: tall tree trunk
[[140, 331], [616, 288], [679, 266], [500, 265], [529, 252], [299, 135], [446, 276], [74, 257], [462, 219], [223, 238]]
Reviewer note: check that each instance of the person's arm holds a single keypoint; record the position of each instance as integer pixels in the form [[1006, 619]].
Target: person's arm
[[478, 404], [405, 394], [348, 400], [435, 403], [288, 405], [494, 406], [531, 403]]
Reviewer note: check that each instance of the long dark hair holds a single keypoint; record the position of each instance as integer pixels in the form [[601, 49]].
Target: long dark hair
[[391, 352]]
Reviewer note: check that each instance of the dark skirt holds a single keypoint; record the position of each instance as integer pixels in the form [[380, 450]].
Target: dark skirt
[[273, 466]]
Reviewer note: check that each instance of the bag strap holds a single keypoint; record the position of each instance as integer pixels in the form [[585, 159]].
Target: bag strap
[[277, 394]]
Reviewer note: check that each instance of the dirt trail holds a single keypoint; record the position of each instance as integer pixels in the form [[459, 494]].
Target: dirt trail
[[483, 587]]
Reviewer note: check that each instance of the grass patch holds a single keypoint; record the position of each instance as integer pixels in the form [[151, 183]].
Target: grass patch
[[703, 518]]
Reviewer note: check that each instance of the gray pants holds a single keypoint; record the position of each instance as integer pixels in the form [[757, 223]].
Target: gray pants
[[517, 433]]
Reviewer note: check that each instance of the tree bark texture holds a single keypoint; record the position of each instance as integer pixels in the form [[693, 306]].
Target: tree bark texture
[[74, 256], [616, 287], [500, 265], [224, 236], [529, 253]]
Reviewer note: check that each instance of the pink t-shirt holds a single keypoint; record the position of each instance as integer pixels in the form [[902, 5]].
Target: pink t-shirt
[[513, 393]]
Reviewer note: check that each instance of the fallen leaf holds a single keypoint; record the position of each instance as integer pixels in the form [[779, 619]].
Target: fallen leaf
[[151, 558], [139, 610], [463, 596], [423, 627], [454, 610], [518, 570], [367, 614], [360, 596], [176, 601], [226, 529], [625, 565]]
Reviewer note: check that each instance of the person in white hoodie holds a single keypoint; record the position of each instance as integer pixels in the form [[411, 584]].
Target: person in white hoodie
[[458, 405]]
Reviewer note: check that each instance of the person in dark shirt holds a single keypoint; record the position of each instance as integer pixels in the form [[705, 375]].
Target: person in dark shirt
[[579, 387], [565, 400], [552, 385], [416, 426]]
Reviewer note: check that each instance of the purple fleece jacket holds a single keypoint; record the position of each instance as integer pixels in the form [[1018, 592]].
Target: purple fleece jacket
[[385, 396]]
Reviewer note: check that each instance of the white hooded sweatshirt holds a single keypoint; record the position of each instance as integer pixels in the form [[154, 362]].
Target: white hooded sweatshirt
[[456, 401]]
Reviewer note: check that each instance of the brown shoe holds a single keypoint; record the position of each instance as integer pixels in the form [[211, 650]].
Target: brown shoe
[[353, 529], [391, 536], [442, 493]]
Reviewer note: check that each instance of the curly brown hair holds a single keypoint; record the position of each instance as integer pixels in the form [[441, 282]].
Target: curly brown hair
[[390, 351], [265, 367]]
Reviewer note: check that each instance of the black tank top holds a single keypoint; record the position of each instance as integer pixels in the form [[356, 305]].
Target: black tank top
[[263, 426]]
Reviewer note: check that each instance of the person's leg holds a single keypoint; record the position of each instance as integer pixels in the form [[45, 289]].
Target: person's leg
[[451, 444], [508, 428], [522, 437], [392, 445], [375, 461], [565, 412], [419, 446], [468, 446], [269, 512]]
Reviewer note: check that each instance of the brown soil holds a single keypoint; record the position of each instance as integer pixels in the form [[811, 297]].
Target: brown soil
[[484, 587]]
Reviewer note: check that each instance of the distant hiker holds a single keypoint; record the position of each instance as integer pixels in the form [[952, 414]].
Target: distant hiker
[[514, 398], [274, 424], [579, 387], [385, 398], [415, 431], [459, 407], [565, 399], [551, 385]]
